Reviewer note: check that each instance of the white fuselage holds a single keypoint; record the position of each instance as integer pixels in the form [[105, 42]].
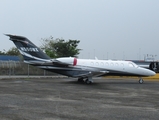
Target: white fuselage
[[123, 67]]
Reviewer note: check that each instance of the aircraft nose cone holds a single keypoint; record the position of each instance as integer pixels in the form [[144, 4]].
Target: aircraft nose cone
[[151, 73], [147, 72]]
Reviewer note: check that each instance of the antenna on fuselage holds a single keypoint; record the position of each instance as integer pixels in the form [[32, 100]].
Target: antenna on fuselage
[[96, 58]]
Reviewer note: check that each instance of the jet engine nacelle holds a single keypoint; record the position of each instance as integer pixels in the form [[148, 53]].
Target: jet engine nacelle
[[67, 61], [154, 66]]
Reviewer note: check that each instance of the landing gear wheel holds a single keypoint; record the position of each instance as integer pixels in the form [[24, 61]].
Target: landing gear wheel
[[80, 80], [141, 81], [88, 82]]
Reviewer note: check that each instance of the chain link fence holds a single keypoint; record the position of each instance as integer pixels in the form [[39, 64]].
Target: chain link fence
[[21, 68]]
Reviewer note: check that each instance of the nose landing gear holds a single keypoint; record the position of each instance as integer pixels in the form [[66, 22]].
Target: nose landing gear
[[141, 81]]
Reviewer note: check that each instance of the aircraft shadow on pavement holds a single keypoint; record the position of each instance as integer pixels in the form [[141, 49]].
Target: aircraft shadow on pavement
[[106, 82]]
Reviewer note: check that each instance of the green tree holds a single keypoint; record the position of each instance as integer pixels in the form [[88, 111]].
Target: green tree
[[60, 47], [13, 51], [2, 53]]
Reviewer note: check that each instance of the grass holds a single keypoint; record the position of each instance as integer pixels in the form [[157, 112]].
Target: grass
[[156, 77]]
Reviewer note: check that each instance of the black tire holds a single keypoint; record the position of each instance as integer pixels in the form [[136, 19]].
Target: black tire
[[141, 81], [88, 82]]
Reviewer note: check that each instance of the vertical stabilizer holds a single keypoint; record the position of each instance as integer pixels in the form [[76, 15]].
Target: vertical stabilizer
[[28, 50]]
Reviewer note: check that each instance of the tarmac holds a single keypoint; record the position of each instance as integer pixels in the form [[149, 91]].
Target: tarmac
[[62, 98]]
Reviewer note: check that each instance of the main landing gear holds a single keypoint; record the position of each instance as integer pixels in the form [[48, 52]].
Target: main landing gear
[[87, 80], [141, 80]]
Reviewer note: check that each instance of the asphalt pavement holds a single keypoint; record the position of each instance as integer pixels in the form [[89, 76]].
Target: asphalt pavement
[[66, 99]]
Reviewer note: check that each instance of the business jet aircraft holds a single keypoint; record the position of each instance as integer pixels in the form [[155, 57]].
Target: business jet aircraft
[[83, 69]]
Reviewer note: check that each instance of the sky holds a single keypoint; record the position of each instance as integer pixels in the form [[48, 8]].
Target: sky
[[107, 29]]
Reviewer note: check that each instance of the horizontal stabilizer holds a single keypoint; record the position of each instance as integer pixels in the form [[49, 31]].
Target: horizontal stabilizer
[[15, 37]]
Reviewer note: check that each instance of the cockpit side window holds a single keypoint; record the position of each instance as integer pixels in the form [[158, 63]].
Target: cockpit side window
[[131, 64]]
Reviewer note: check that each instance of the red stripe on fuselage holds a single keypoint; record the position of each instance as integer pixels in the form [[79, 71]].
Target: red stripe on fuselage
[[75, 62]]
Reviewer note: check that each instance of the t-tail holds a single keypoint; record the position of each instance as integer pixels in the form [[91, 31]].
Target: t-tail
[[29, 51]]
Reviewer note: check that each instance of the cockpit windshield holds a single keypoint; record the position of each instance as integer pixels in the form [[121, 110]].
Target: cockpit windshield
[[131, 64]]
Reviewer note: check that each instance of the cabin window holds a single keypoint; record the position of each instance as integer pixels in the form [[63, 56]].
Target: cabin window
[[97, 63], [122, 64], [106, 64], [92, 64], [111, 64], [116, 64], [102, 64]]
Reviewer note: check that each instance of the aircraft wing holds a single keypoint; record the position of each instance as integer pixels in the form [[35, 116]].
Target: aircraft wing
[[39, 62], [92, 74]]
